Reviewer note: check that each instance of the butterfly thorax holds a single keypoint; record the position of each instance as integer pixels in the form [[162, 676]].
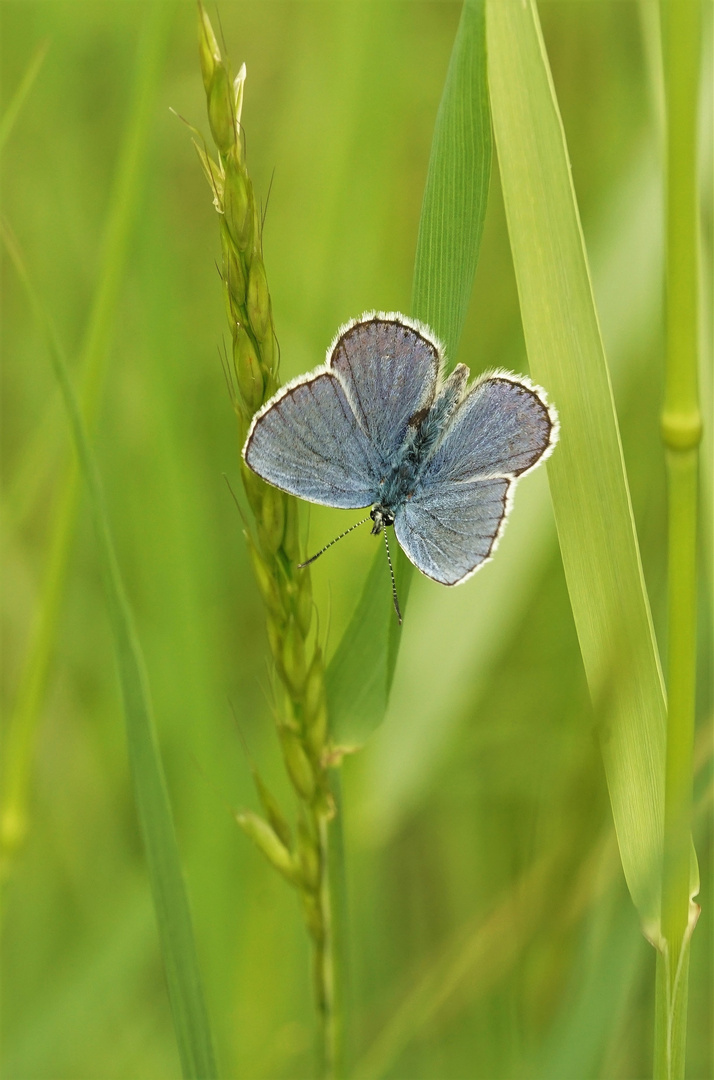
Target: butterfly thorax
[[422, 437]]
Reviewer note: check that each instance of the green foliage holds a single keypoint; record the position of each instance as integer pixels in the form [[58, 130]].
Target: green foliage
[[587, 476], [156, 822], [491, 933], [450, 228]]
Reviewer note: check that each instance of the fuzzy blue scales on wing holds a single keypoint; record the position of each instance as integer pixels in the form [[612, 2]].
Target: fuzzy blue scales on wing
[[378, 425]]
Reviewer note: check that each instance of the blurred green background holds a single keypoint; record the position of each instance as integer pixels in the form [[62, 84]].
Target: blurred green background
[[491, 932]]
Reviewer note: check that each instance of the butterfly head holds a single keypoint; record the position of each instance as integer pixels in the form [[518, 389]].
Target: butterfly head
[[382, 517]]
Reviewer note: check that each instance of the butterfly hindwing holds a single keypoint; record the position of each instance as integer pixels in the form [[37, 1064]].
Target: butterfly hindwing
[[448, 530]]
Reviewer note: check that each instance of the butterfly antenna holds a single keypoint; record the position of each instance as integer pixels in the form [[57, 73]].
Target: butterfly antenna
[[394, 583], [323, 550]]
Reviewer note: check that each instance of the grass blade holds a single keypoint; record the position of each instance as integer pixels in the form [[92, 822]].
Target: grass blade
[[587, 476], [360, 674], [150, 792], [17, 765], [18, 98]]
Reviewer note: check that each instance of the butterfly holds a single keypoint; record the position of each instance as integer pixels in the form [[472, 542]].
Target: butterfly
[[379, 424]]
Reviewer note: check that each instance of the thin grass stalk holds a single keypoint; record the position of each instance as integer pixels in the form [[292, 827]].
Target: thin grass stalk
[[18, 99], [151, 797], [303, 855], [681, 433], [22, 727]]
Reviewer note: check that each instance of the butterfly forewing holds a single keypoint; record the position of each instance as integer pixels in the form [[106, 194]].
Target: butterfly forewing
[[389, 371], [502, 428], [307, 441], [450, 529]]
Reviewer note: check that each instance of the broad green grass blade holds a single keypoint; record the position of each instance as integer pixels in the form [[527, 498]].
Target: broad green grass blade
[[123, 207], [359, 677], [18, 98], [587, 475], [152, 800]]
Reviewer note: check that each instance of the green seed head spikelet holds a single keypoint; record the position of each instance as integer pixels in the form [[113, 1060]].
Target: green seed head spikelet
[[273, 519], [315, 705], [298, 764], [208, 51], [275, 851], [266, 580], [274, 814], [303, 605], [233, 273], [275, 626], [294, 657], [291, 540], [308, 856], [238, 203], [312, 914], [258, 300], [220, 109], [249, 375], [314, 686]]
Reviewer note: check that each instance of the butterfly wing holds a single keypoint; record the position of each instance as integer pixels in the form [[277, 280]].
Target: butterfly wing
[[389, 368], [452, 522], [502, 427], [449, 530], [306, 440]]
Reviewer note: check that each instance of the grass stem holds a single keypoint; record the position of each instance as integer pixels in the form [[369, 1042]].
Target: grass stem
[[324, 961], [681, 433]]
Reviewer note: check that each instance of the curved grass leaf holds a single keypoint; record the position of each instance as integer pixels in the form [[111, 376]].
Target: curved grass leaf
[[150, 792], [587, 474], [360, 674], [14, 107], [123, 206]]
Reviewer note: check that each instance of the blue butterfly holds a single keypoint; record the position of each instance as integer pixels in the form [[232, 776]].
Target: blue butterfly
[[380, 425]]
